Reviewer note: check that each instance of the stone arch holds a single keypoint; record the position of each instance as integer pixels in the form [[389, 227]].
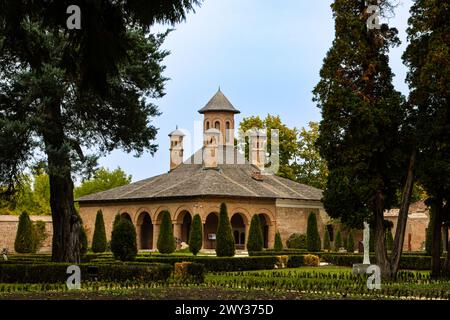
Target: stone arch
[[184, 221], [217, 124], [207, 126], [239, 225], [209, 229], [126, 215], [244, 212], [268, 214], [139, 211], [144, 230], [157, 215]]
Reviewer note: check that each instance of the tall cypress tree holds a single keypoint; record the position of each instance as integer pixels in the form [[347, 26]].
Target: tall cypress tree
[[255, 240], [99, 237], [338, 241], [350, 245], [196, 235], [24, 242], [225, 246], [362, 113], [428, 59], [313, 242], [166, 240], [278, 244], [326, 240]]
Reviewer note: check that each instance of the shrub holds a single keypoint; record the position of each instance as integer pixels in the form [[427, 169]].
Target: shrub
[[116, 220], [224, 240], [338, 241], [326, 240], [278, 244], [99, 238], [311, 260], [39, 235], [83, 241], [255, 240], [123, 240], [282, 261], [389, 240], [190, 271], [350, 246], [313, 242], [166, 241], [196, 235], [295, 261], [296, 241], [24, 242]]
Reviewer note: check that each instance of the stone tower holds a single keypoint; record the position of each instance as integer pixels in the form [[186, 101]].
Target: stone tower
[[176, 148], [210, 148], [258, 140], [219, 114]]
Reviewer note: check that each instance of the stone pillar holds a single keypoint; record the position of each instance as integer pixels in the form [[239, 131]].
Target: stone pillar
[[138, 237], [247, 229], [203, 235], [155, 235], [271, 235], [177, 233]]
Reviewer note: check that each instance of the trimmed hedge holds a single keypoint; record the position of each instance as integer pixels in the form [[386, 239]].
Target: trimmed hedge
[[56, 272]]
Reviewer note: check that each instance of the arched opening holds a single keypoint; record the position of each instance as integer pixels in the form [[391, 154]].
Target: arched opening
[[206, 125], [185, 219], [238, 226], [126, 215], [145, 229], [217, 125], [227, 131], [210, 230], [264, 222]]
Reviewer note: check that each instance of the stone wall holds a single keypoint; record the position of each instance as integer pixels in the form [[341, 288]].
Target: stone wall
[[8, 230]]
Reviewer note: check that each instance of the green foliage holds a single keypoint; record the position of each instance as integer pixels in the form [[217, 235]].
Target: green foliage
[[326, 240], [24, 242], [225, 246], [350, 244], [102, 180], [39, 235], [123, 240], [83, 241], [116, 220], [99, 237], [389, 240], [313, 242], [278, 244], [338, 241], [255, 240], [196, 235], [166, 241], [296, 241]]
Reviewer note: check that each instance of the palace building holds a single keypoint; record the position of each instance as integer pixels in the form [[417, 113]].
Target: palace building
[[216, 173]]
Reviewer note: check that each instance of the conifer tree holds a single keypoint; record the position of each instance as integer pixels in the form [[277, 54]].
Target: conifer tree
[[225, 246], [166, 240], [24, 242], [350, 243], [338, 241], [196, 235], [326, 240], [99, 237], [255, 240], [123, 240], [278, 244], [313, 242]]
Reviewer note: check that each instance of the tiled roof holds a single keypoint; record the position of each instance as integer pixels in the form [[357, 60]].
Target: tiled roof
[[219, 103]]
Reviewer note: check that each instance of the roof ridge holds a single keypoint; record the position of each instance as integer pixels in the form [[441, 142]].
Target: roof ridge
[[236, 183]]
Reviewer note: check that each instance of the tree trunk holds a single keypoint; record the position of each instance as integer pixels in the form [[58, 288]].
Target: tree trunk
[[66, 224], [436, 244], [403, 216], [447, 258], [380, 235]]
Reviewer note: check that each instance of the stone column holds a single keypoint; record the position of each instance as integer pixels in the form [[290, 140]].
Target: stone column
[[247, 229], [155, 235], [177, 233]]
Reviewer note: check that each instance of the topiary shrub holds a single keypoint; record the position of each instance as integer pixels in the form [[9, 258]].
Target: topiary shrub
[[123, 240], [116, 220], [225, 246], [24, 242], [296, 241], [99, 238], [350, 246], [255, 240], [338, 241], [278, 244], [39, 235], [196, 235], [313, 242], [326, 240], [166, 240], [311, 260]]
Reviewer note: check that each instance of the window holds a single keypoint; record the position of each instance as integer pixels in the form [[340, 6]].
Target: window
[[227, 132], [217, 125], [207, 125]]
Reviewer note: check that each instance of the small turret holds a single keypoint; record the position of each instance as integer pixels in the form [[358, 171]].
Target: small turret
[[176, 148]]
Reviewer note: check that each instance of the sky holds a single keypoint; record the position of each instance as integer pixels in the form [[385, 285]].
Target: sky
[[265, 58]]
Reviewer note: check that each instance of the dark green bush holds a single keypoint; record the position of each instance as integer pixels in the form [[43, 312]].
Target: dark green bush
[[326, 240], [25, 242], [123, 240], [255, 240], [350, 246], [338, 241], [56, 272], [196, 235], [278, 244], [295, 261], [166, 241], [196, 272], [39, 235], [313, 242], [225, 246], [83, 241], [99, 238], [296, 241], [389, 240]]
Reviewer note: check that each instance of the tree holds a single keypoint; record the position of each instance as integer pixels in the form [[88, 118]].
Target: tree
[[309, 166], [39, 235], [102, 180], [326, 240], [350, 245], [99, 237], [24, 242], [255, 240], [166, 241], [64, 92], [296, 241], [278, 244], [338, 241], [83, 240], [428, 59], [196, 235], [313, 242], [363, 133], [123, 240], [224, 240], [116, 220], [389, 240]]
